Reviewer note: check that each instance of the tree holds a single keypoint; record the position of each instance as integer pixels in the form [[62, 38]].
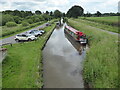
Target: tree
[[75, 11], [57, 14], [118, 14], [46, 17], [63, 14], [10, 12], [6, 18], [28, 13], [51, 13], [17, 19], [23, 14], [87, 14], [0, 18], [98, 14], [16, 13], [47, 13], [38, 12]]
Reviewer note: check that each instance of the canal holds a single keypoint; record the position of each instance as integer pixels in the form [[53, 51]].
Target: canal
[[62, 62]]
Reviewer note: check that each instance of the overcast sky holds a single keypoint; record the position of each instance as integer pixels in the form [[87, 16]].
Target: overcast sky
[[63, 5]]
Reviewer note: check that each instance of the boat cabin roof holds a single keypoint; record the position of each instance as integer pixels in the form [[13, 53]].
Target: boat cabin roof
[[74, 30]]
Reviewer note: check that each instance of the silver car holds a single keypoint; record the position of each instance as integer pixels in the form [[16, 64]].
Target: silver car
[[41, 31], [38, 31], [35, 33]]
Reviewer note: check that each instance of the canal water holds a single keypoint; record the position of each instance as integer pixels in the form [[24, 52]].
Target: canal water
[[62, 62]]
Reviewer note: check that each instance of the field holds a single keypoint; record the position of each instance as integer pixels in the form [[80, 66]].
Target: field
[[111, 20], [101, 64], [22, 66], [102, 23]]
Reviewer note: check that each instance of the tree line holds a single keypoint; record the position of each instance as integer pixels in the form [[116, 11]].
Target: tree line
[[99, 14], [77, 11], [18, 17]]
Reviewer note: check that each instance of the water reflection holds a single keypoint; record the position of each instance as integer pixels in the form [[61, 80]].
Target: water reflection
[[61, 62]]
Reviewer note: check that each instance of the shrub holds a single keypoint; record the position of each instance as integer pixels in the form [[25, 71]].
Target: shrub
[[11, 24], [17, 19], [25, 23], [36, 20], [7, 18], [30, 21]]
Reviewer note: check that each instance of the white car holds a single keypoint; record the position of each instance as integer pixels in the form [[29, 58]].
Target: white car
[[25, 37]]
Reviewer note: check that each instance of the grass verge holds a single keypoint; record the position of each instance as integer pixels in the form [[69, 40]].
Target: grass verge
[[101, 63], [99, 25], [22, 66], [109, 20]]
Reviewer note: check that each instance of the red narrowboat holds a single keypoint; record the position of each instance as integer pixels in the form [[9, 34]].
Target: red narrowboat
[[77, 35]]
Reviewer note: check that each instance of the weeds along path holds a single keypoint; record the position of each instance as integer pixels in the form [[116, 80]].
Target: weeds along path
[[101, 63]]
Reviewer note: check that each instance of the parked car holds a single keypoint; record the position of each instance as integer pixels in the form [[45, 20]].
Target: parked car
[[25, 37], [48, 24], [35, 33], [42, 31], [39, 31]]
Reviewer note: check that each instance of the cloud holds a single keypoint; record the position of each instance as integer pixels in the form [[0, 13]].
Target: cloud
[[1, 2], [63, 5], [24, 4]]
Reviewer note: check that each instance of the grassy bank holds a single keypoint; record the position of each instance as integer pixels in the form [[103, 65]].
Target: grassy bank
[[109, 20], [22, 66], [101, 63], [7, 31], [99, 25]]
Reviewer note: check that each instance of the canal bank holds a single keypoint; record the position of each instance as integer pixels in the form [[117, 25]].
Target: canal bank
[[101, 63], [62, 63], [28, 65]]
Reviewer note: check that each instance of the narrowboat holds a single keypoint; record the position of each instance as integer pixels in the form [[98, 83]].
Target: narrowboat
[[77, 35]]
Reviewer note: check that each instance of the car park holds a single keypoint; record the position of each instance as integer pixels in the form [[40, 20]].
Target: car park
[[25, 37]]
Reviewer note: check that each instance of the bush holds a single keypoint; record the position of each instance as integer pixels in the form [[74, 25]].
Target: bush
[[11, 24], [30, 21], [36, 20], [7, 18], [17, 19], [25, 24]]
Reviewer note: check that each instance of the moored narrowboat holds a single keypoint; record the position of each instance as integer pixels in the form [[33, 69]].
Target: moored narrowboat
[[77, 35]]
